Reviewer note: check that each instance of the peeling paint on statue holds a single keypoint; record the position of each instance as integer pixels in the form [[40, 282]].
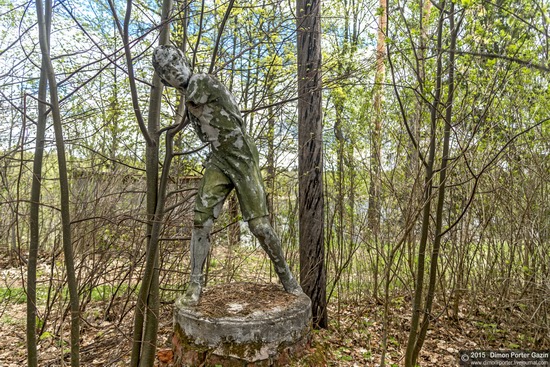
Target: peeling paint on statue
[[233, 163]]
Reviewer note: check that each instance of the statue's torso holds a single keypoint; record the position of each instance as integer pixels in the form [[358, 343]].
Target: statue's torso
[[217, 120], [213, 111]]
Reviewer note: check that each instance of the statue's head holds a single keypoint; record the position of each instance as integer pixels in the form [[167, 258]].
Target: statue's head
[[172, 67]]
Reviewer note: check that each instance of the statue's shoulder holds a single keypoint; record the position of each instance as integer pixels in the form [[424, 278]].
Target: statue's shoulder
[[203, 80], [200, 88], [201, 85]]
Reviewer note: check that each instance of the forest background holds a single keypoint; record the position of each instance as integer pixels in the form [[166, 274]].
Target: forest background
[[435, 165]]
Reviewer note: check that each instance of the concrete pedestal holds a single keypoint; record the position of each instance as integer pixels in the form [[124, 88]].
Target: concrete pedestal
[[242, 324]]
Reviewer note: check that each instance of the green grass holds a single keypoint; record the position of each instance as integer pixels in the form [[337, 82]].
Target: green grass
[[13, 296], [106, 291], [9, 320]]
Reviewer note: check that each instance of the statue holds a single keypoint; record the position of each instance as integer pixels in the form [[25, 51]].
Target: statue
[[232, 164]]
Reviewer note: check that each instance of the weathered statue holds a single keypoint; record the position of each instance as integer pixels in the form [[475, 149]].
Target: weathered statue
[[233, 164]]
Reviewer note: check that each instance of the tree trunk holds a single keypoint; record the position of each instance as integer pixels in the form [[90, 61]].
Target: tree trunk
[[147, 308], [310, 158], [414, 168], [32, 354], [63, 182], [375, 188], [441, 194], [375, 147], [411, 352]]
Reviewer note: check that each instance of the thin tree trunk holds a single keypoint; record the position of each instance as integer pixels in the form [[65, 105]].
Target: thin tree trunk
[[410, 360], [147, 308], [310, 158], [414, 166], [339, 204], [425, 10], [441, 194], [32, 354], [63, 182], [271, 160], [375, 148], [376, 153]]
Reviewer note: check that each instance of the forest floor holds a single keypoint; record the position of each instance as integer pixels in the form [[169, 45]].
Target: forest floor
[[354, 336]]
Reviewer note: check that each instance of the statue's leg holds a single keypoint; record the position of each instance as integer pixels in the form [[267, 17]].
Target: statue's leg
[[214, 188], [200, 245], [270, 242]]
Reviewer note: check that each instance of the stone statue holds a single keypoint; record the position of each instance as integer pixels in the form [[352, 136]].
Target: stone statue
[[233, 164]]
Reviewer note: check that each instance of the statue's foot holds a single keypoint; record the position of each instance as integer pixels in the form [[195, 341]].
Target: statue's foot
[[291, 286], [193, 294]]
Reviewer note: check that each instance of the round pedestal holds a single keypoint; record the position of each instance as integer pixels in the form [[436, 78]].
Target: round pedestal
[[241, 324]]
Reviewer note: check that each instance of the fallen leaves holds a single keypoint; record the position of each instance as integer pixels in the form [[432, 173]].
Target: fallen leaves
[[355, 336], [165, 356]]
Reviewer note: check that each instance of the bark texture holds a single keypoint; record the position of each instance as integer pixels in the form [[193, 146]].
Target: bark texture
[[310, 159]]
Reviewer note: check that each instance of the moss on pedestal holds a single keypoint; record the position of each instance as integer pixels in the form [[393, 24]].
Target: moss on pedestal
[[262, 337]]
